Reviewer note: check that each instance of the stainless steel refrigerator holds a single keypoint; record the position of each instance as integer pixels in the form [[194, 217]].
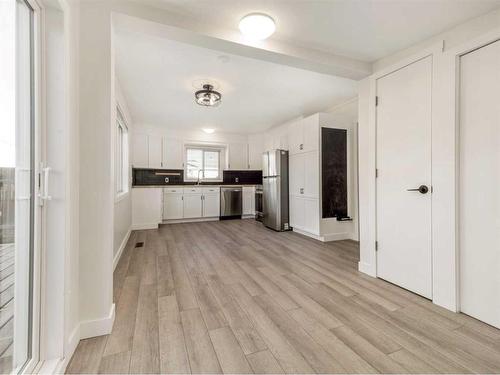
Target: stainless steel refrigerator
[[275, 190]]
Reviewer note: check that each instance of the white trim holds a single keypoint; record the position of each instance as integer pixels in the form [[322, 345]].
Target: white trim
[[336, 237], [307, 234], [367, 268], [119, 253], [59, 365], [145, 226], [98, 327], [195, 220], [433, 50]]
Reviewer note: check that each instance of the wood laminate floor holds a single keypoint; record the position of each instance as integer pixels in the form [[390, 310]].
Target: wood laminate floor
[[234, 297]]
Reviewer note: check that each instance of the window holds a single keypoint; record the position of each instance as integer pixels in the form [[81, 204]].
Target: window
[[203, 161], [121, 161]]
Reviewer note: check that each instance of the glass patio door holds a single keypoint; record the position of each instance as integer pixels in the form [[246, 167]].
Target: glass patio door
[[19, 209]]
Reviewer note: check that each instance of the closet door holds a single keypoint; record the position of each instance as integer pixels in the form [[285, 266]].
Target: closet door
[[479, 189]]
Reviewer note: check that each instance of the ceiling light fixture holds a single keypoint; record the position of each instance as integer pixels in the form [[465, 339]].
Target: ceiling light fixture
[[207, 97], [257, 26], [208, 130]]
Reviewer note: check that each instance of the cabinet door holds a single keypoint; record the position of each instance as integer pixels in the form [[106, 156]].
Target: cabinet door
[[311, 215], [154, 151], [295, 137], [248, 200], [146, 206], [172, 153], [297, 212], [192, 206], [310, 181], [211, 205], [256, 148], [297, 171], [172, 206], [140, 155], [238, 153], [310, 129]]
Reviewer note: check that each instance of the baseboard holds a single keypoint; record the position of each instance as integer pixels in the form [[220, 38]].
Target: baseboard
[[307, 234], [144, 226], [368, 269], [196, 220], [120, 250], [98, 327], [336, 237]]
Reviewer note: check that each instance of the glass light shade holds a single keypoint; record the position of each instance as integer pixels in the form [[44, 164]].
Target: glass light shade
[[257, 26]]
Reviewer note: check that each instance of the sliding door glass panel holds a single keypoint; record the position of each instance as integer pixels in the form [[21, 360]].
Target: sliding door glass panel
[[17, 205]]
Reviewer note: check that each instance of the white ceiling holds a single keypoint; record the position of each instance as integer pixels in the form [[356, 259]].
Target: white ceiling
[[361, 29], [157, 76]]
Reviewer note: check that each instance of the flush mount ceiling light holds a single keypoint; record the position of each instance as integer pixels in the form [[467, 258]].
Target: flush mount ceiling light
[[208, 130], [207, 97], [257, 26]]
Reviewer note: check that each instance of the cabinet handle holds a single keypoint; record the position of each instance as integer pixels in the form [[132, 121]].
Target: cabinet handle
[[301, 190], [301, 146]]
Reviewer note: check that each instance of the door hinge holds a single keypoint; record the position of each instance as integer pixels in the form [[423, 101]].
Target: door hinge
[[376, 245], [376, 101]]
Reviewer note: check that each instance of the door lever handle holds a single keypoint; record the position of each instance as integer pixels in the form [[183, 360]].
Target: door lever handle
[[422, 189]]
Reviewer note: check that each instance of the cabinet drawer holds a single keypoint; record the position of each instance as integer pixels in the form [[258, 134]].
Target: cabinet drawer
[[193, 190], [214, 189], [172, 190]]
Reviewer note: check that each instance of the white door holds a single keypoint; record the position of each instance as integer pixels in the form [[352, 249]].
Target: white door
[[154, 151], [140, 153], [238, 156], [211, 205], [192, 206], [479, 190], [173, 206], [404, 164], [172, 153]]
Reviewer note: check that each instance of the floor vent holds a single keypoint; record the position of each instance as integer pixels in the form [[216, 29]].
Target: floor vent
[[139, 244]]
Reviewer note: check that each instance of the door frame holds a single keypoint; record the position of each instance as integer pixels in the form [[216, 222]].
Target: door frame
[[452, 60], [38, 124], [368, 246]]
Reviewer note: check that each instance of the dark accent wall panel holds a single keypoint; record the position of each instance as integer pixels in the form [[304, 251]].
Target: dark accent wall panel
[[334, 172], [242, 177], [147, 177]]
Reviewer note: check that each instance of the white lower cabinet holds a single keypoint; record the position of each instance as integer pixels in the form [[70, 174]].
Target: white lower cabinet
[[211, 205], [193, 206], [304, 214], [248, 200], [173, 205]]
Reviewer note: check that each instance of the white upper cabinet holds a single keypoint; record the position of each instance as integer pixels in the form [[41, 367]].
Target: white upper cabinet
[[155, 152], [140, 153], [256, 148], [172, 153], [295, 137], [303, 135], [238, 156]]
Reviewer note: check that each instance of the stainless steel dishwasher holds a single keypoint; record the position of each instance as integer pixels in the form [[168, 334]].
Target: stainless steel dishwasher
[[231, 202]]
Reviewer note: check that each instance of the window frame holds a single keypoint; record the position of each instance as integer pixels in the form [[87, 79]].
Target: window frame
[[122, 154], [204, 148]]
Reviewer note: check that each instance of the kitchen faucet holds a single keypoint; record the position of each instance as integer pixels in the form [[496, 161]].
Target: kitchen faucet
[[198, 182]]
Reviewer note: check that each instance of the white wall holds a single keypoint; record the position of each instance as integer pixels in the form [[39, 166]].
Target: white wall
[[123, 205], [444, 48]]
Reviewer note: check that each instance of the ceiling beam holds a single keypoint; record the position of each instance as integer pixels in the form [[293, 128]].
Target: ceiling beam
[[132, 17]]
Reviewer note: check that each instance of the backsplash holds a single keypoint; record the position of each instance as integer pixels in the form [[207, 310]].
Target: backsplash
[[145, 177], [244, 177]]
